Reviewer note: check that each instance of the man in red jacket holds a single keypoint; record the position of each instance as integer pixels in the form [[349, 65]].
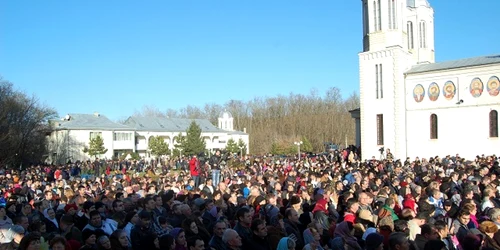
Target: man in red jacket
[[194, 165]]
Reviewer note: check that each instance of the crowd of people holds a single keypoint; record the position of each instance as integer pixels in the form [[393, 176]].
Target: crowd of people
[[326, 201]]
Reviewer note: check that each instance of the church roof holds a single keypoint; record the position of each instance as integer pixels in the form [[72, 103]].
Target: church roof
[[87, 122], [461, 63], [142, 123]]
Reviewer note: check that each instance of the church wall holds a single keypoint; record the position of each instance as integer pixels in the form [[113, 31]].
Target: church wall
[[391, 61], [463, 120]]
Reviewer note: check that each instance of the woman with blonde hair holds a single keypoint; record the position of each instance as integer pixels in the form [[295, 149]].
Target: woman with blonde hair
[[489, 228]]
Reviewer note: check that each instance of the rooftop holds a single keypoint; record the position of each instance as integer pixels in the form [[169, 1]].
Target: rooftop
[[88, 121], [142, 123], [461, 63]]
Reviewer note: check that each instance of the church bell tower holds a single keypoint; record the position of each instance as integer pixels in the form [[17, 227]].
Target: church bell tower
[[389, 50]]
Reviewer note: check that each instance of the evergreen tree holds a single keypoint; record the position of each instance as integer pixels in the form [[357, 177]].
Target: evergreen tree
[[306, 145], [157, 146], [194, 143], [180, 145], [277, 149], [242, 146], [96, 147], [232, 147]]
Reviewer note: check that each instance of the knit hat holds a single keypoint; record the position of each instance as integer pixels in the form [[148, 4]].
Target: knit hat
[[373, 241], [70, 206], [175, 232], [199, 202], [368, 231], [86, 233]]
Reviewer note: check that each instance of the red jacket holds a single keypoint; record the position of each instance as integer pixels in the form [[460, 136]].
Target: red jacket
[[194, 163]]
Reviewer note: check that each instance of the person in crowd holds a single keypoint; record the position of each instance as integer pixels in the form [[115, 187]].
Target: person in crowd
[[12, 238], [286, 243], [30, 242], [120, 240], [180, 238], [232, 240], [59, 243], [264, 199]]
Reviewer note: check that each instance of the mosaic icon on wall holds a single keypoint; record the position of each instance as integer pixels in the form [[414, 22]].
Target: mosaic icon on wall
[[449, 90], [476, 87], [433, 91], [418, 93], [493, 86]]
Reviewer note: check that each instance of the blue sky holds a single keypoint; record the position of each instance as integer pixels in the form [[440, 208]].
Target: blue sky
[[115, 57]]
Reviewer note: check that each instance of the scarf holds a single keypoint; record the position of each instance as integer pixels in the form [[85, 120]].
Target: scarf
[[393, 214], [283, 244], [46, 214], [342, 230]]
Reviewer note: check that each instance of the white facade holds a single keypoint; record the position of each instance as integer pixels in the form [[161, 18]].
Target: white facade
[[463, 121], [73, 133], [398, 54], [67, 145]]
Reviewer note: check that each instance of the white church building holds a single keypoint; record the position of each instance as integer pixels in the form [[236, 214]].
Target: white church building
[[72, 133], [412, 105]]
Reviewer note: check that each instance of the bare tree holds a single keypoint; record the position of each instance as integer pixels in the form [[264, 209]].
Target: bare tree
[[23, 126]]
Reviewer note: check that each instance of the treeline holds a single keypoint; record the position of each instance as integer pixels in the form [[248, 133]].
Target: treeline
[[23, 126], [276, 122]]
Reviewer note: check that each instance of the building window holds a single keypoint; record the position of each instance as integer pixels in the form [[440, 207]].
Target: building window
[[378, 81], [365, 19], [122, 136], [493, 124], [376, 15], [434, 126], [379, 16], [422, 31], [392, 14], [380, 129], [410, 35], [95, 135]]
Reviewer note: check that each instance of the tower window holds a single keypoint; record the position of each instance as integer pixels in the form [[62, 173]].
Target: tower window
[[377, 24], [378, 81], [380, 129], [392, 14], [365, 19], [422, 31], [434, 126], [410, 35], [379, 16], [493, 124]]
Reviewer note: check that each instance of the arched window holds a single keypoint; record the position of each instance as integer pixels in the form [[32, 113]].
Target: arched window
[[493, 124], [410, 34], [422, 31], [434, 126]]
